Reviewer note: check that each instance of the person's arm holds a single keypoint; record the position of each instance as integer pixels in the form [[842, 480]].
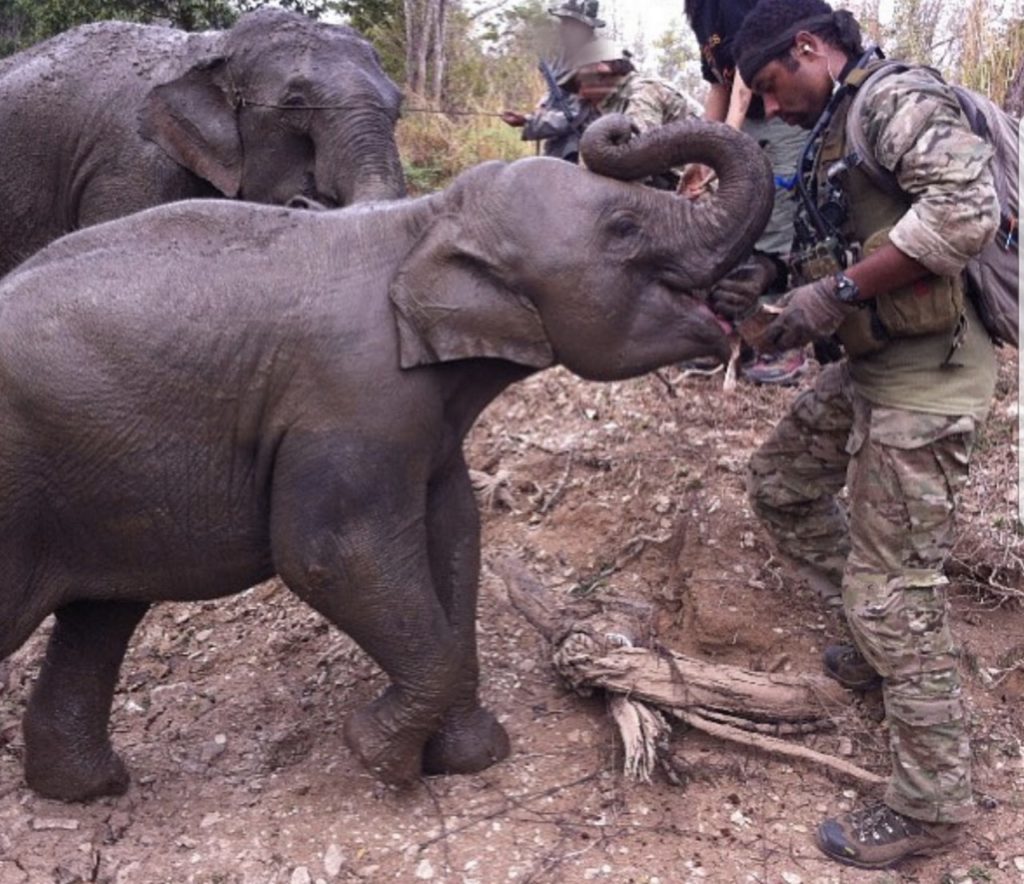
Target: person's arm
[[916, 129], [927, 143], [716, 104], [739, 102]]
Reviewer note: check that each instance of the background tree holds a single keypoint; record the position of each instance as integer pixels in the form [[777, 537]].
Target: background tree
[[24, 22]]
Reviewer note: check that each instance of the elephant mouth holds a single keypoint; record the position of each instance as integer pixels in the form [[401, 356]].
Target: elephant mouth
[[706, 313], [695, 300]]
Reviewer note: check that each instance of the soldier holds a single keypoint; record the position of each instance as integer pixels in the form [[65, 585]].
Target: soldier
[[897, 419], [606, 80], [560, 119]]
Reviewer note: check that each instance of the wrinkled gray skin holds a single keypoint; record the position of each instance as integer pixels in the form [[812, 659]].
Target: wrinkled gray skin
[[209, 393], [111, 118]]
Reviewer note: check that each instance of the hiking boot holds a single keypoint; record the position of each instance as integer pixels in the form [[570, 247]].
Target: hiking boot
[[877, 837], [847, 665], [783, 369]]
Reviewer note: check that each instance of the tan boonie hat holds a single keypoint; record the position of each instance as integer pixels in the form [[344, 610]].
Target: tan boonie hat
[[582, 10]]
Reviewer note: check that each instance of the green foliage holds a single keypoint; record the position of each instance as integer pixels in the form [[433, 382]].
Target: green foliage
[[24, 22], [382, 22]]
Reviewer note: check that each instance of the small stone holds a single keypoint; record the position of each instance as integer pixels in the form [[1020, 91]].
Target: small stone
[[845, 747], [367, 871], [425, 870], [45, 824], [211, 819], [1018, 863], [301, 876], [738, 819], [792, 878], [334, 859]]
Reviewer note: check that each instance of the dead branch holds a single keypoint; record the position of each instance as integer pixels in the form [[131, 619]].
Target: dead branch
[[606, 651], [776, 746]]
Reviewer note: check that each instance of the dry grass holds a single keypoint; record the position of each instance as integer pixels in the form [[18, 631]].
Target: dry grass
[[436, 147]]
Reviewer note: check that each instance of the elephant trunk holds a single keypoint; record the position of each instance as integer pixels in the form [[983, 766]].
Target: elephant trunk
[[716, 231], [357, 157]]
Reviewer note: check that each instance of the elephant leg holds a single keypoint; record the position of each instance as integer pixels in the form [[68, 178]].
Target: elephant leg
[[470, 737], [371, 578], [67, 747]]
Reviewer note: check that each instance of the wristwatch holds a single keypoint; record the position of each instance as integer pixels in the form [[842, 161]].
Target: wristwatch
[[846, 289]]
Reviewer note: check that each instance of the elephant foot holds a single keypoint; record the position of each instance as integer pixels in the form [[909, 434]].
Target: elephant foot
[[387, 758], [80, 775], [467, 742]]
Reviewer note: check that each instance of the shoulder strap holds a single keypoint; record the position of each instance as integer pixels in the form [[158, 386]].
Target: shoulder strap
[[855, 138]]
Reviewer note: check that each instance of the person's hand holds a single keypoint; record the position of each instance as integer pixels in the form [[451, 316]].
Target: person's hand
[[513, 118], [736, 293], [695, 180], [809, 312]]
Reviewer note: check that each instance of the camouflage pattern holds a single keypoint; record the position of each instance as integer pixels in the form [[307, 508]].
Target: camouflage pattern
[[904, 471], [559, 133], [917, 130], [649, 101]]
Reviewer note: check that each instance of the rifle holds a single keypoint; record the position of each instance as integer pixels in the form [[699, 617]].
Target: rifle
[[556, 94]]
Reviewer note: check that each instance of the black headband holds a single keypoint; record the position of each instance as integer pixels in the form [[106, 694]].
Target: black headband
[[756, 57]]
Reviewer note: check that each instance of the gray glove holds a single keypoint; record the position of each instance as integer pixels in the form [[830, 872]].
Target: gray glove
[[810, 312], [736, 294]]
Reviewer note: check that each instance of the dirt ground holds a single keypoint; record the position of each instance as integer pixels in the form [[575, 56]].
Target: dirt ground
[[229, 714]]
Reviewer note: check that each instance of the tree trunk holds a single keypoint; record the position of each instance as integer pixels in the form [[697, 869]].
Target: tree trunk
[[1014, 102], [425, 56]]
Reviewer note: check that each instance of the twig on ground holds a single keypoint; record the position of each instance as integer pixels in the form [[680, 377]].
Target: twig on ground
[[442, 825], [510, 801], [552, 498]]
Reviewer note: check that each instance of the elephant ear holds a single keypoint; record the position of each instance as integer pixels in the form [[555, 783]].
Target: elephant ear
[[451, 303], [193, 120]]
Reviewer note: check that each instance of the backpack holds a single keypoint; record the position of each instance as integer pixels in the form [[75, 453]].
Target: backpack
[[993, 276]]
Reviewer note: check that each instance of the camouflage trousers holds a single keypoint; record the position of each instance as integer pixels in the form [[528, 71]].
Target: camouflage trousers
[[903, 472]]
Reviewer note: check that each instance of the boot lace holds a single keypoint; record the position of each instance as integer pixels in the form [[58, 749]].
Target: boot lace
[[880, 824]]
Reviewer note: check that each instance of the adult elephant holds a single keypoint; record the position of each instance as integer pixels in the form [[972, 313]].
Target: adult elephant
[[205, 394], [111, 118]]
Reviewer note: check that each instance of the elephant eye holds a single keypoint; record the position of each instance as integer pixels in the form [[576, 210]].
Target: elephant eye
[[294, 100], [623, 226]]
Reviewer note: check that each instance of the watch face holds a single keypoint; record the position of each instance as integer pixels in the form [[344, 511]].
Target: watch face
[[846, 288]]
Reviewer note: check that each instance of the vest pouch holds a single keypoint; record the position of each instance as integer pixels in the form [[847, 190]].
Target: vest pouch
[[862, 333], [929, 306]]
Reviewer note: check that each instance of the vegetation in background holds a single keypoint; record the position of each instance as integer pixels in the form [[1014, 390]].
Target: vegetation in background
[[463, 61], [24, 22]]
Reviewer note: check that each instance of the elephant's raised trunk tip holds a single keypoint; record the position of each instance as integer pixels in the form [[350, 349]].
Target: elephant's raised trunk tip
[[726, 223]]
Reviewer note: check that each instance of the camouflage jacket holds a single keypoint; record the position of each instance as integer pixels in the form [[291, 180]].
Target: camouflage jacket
[[917, 130], [560, 134], [649, 101]]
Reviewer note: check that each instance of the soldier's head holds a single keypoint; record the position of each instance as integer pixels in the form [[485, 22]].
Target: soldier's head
[[597, 70], [791, 52], [577, 21]]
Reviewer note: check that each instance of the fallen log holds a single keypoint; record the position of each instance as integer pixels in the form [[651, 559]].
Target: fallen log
[[612, 650]]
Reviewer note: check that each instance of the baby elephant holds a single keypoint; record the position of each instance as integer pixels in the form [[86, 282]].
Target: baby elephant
[[205, 394]]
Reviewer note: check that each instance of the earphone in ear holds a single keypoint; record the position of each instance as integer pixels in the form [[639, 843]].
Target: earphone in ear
[[806, 49]]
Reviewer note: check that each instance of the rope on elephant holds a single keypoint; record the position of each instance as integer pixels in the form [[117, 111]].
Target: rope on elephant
[[647, 685], [242, 101]]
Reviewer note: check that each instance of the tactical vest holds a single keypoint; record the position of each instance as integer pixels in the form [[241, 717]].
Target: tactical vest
[[928, 306]]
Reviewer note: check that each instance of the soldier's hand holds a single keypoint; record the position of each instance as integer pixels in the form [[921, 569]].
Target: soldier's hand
[[809, 312], [513, 118], [736, 294]]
